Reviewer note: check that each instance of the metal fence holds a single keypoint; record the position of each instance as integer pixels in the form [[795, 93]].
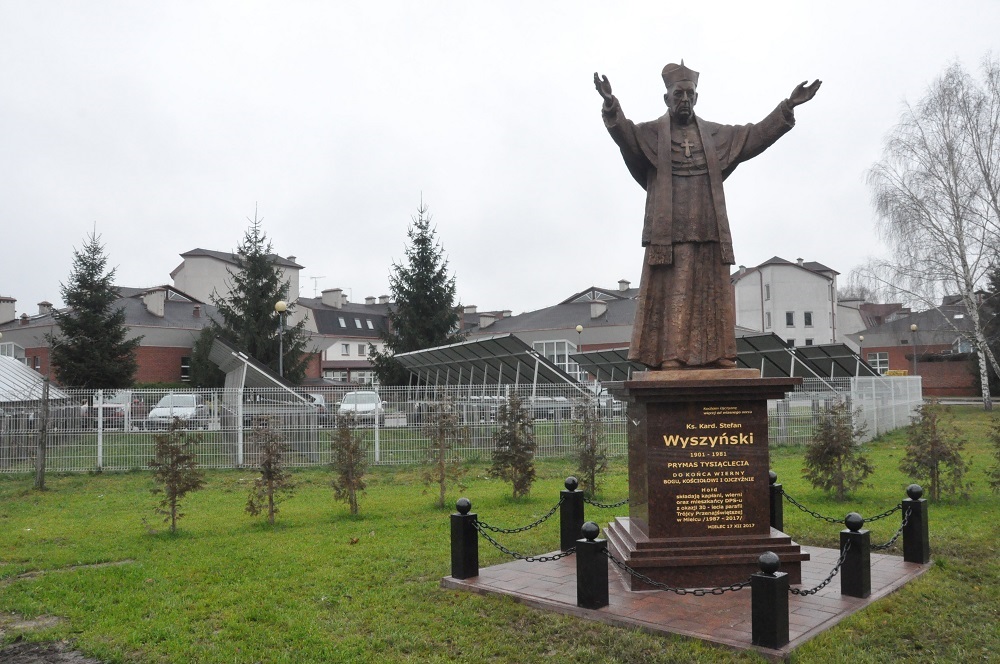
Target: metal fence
[[883, 404], [110, 430]]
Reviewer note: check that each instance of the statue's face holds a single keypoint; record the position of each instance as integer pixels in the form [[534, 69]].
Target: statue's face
[[681, 98]]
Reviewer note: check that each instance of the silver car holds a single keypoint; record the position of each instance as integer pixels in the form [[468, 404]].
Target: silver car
[[189, 409]]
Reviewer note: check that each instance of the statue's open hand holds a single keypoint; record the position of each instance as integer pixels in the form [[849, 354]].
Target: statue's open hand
[[603, 86], [803, 93]]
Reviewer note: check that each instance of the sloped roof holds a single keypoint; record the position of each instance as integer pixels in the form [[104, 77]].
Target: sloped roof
[[811, 266], [500, 359], [20, 383], [178, 311], [327, 318], [602, 294], [767, 353], [566, 316], [230, 257]]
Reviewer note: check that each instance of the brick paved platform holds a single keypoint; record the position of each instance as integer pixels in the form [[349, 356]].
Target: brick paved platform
[[722, 619]]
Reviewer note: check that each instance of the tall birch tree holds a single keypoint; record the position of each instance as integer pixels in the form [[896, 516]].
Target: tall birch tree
[[936, 195]]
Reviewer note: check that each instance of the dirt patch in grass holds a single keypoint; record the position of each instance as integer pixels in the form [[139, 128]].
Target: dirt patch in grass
[[42, 653], [71, 568]]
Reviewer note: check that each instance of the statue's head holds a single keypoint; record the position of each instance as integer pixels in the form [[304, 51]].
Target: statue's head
[[682, 90]]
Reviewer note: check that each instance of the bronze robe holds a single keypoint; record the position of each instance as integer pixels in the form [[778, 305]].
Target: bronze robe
[[685, 311]]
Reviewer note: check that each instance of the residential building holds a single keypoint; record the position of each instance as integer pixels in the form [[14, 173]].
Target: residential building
[[797, 301], [346, 330], [167, 320], [932, 344], [205, 274], [593, 319]]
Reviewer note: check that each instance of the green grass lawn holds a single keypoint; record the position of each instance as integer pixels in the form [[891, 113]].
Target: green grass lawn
[[322, 586]]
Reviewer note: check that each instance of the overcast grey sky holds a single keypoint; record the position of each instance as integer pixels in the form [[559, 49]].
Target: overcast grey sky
[[165, 123]]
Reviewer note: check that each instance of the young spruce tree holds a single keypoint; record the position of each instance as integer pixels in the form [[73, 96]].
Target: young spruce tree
[[834, 461], [350, 462], [248, 318], [175, 469], [591, 452], [275, 482], [423, 314], [446, 433], [934, 453], [92, 347], [514, 446], [993, 472]]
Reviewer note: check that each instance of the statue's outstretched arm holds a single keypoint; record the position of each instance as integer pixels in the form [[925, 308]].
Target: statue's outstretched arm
[[802, 92], [603, 86]]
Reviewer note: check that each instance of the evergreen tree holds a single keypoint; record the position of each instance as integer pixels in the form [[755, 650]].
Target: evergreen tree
[[514, 446], [204, 373], [993, 472], [92, 348], [424, 315], [934, 452], [591, 452], [248, 318], [349, 462], [268, 446], [989, 314], [175, 467], [834, 461], [446, 433]]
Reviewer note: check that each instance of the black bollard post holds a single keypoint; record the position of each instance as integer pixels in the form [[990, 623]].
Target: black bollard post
[[916, 537], [464, 542], [856, 572], [777, 505], [591, 568], [769, 603], [570, 514]]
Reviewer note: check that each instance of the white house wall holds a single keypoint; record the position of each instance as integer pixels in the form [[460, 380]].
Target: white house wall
[[201, 276], [778, 289]]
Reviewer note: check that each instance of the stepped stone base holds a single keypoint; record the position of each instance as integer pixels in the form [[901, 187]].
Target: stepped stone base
[[698, 562]]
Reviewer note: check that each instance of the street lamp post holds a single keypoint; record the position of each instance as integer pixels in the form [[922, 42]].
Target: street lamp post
[[913, 332], [281, 307], [579, 347]]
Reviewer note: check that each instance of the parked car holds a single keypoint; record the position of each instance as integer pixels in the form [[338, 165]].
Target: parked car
[[119, 408], [190, 409], [323, 415], [363, 406]]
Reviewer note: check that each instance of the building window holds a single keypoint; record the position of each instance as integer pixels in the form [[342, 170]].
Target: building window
[[767, 320], [767, 291], [343, 323], [558, 352], [345, 349], [370, 326], [357, 321], [879, 362], [186, 369], [791, 343], [807, 318], [809, 342], [361, 350], [789, 319]]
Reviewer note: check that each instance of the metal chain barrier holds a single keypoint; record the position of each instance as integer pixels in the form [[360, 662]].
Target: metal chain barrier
[[697, 592], [809, 511], [826, 582], [884, 514], [828, 519], [605, 506], [892, 542], [510, 531], [515, 554]]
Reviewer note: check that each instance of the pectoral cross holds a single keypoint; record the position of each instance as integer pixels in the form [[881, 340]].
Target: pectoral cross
[[687, 145]]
